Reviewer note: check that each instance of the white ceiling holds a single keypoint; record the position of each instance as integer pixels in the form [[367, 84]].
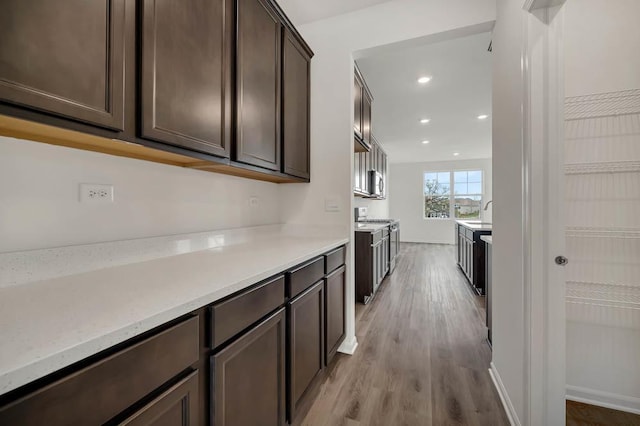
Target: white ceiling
[[459, 91], [304, 11]]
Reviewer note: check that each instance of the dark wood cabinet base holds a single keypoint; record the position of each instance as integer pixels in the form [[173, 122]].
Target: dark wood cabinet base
[[256, 357]]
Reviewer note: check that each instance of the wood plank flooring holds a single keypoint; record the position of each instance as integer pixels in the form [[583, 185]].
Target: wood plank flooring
[[422, 357], [579, 414]]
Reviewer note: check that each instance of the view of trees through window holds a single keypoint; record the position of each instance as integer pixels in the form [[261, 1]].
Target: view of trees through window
[[463, 202]]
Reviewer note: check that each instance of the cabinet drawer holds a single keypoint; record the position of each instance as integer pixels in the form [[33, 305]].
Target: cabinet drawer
[[385, 232], [334, 259], [304, 277], [376, 236], [234, 315], [97, 393], [469, 234]]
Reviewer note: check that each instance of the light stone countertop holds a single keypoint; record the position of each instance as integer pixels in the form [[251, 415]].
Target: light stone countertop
[[52, 323], [487, 239], [475, 225], [369, 227]]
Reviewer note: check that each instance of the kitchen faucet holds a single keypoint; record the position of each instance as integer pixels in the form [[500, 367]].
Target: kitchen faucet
[[487, 205]]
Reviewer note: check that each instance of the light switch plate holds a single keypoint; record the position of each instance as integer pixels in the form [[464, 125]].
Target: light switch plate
[[331, 205]]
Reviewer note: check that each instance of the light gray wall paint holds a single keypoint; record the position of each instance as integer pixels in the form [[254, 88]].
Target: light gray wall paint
[[40, 205]]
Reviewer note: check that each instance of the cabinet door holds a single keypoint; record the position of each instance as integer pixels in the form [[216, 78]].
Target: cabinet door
[[366, 117], [66, 58], [356, 172], [186, 73], [249, 377], [178, 406], [335, 325], [296, 80], [306, 345], [258, 85], [364, 171], [357, 105]]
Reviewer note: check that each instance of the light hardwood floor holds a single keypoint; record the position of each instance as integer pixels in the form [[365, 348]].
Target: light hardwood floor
[[422, 358]]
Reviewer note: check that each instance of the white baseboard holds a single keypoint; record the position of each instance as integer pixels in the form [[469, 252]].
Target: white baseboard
[[603, 399], [504, 396], [349, 346]]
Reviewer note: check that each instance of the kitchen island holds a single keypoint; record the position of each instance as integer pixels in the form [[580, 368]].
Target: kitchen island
[[470, 251]]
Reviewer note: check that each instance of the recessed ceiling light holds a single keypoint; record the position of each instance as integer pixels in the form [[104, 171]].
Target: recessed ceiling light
[[425, 120], [424, 80], [483, 117], [425, 142], [455, 154]]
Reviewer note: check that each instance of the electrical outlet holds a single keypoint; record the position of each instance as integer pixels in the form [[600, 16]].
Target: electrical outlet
[[96, 193], [254, 201]]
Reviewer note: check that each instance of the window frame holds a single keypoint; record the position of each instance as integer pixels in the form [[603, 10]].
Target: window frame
[[452, 194]]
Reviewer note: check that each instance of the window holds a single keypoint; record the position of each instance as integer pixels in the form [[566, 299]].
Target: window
[[463, 202], [467, 188], [437, 195]]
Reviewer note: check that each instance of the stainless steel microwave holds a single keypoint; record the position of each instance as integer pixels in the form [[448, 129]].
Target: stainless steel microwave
[[376, 183]]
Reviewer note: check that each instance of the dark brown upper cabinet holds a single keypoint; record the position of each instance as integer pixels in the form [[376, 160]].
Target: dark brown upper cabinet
[[358, 87], [296, 85], [186, 73], [362, 100], [215, 85], [258, 84], [65, 59], [366, 117]]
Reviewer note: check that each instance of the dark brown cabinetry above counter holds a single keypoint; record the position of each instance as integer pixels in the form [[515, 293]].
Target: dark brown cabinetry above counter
[[185, 82], [215, 85], [361, 113], [254, 357]]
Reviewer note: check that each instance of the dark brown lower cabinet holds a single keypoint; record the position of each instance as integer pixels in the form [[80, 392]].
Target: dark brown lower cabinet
[[248, 385], [254, 358], [335, 305], [178, 406], [306, 347], [102, 391]]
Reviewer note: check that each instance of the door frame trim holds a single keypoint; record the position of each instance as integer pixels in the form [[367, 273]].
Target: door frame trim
[[543, 193]]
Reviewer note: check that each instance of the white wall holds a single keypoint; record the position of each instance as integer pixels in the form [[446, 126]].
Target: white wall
[[40, 207], [602, 45], [334, 42], [407, 199], [508, 285]]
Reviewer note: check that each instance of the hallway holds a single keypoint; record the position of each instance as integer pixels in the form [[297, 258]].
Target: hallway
[[422, 358]]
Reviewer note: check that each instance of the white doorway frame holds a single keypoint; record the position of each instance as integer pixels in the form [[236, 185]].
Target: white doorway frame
[[543, 221]]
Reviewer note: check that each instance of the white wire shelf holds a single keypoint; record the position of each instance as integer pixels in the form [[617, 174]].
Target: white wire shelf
[[584, 232], [606, 167], [602, 105]]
